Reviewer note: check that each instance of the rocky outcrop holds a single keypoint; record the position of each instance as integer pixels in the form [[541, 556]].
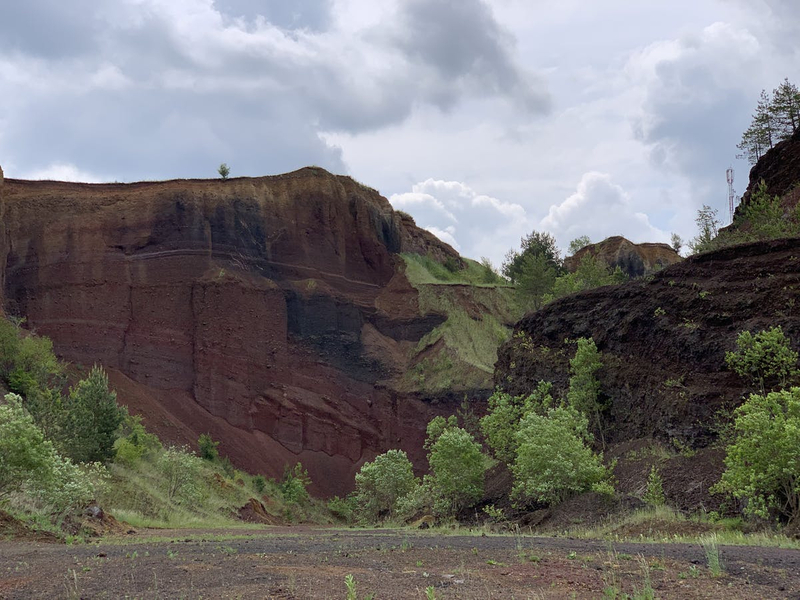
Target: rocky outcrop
[[635, 260], [663, 339], [779, 168], [270, 312]]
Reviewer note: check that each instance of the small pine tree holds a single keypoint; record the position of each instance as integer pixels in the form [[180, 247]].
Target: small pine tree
[[208, 448], [224, 171], [654, 494]]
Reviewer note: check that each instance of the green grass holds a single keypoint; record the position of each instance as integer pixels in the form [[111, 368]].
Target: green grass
[[422, 270]]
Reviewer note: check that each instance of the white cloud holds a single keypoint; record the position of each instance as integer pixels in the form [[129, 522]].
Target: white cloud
[[63, 172], [599, 208]]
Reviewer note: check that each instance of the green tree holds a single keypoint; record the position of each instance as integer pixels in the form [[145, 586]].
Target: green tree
[[654, 494], [224, 171], [708, 227], [584, 387], [457, 466], [785, 107], [207, 447], [294, 485], [92, 419], [134, 441], [765, 358], [181, 471], [578, 244], [535, 279], [591, 273], [24, 452], [534, 244], [553, 459], [380, 483], [676, 242], [762, 465]]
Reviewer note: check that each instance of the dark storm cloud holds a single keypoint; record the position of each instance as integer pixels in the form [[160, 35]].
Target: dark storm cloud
[[465, 46], [314, 15]]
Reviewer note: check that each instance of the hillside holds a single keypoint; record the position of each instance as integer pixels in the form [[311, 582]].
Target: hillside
[[273, 313]]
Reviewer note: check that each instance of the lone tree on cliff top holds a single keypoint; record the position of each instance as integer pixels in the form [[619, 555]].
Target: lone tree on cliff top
[[776, 119], [224, 171]]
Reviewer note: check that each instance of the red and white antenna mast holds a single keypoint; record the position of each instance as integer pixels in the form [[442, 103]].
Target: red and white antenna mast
[[731, 192]]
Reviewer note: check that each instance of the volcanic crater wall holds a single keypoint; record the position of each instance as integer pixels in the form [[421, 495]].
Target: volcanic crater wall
[[663, 338], [245, 308]]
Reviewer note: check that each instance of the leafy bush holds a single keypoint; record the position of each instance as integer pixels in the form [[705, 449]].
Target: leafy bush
[[30, 463], [134, 441], [294, 484], [584, 387], [763, 358], [181, 471], [208, 447], [344, 508], [762, 465], [553, 458], [381, 482], [458, 467], [591, 273], [501, 422], [259, 483]]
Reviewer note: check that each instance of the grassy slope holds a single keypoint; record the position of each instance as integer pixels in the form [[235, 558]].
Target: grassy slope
[[477, 314]]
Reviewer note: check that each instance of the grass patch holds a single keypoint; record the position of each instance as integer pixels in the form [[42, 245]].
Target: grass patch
[[421, 270]]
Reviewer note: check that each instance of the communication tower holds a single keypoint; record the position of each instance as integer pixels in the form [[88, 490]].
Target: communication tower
[[731, 193]]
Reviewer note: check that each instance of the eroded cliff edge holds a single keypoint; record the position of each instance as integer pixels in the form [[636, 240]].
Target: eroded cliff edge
[[271, 312]]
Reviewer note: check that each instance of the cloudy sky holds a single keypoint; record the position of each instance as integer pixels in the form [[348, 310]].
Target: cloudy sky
[[485, 119]]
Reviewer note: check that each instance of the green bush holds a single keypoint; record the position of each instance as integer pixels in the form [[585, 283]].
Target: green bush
[[181, 469], [30, 463], [501, 422], [208, 447], [553, 459], [584, 387], [766, 358], [654, 493], [134, 442], [762, 465], [344, 508], [591, 273], [259, 483], [381, 482], [458, 467], [294, 485]]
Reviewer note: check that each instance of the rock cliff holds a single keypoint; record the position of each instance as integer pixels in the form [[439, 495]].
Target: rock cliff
[[635, 260], [272, 313]]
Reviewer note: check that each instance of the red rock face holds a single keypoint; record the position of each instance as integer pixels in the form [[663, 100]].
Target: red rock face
[[249, 309], [635, 260]]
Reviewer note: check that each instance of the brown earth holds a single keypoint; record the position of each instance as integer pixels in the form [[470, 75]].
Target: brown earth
[[307, 563], [272, 313], [634, 260]]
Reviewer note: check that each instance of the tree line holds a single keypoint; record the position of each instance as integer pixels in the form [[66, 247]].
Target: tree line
[[777, 118]]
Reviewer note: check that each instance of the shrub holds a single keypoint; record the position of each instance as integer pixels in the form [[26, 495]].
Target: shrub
[[259, 483], [381, 482], [294, 484], [30, 463], [654, 494], [762, 465], [763, 358], [458, 467], [224, 170], [208, 447], [584, 387], [25, 455], [553, 458], [344, 508], [181, 470], [501, 422], [134, 441]]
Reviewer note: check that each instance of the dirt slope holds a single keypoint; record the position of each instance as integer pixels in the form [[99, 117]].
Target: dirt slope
[[271, 312], [663, 338]]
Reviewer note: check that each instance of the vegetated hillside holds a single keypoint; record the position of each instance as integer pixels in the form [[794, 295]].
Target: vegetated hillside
[[273, 313], [663, 338]]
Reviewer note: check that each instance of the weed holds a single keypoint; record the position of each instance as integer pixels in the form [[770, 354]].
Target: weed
[[350, 584], [704, 294], [172, 554], [495, 563], [659, 312], [430, 593], [711, 549]]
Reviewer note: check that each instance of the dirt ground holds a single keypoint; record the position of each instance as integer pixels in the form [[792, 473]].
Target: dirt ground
[[313, 563]]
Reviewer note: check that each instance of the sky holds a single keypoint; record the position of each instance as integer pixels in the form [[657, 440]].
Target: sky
[[484, 119]]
